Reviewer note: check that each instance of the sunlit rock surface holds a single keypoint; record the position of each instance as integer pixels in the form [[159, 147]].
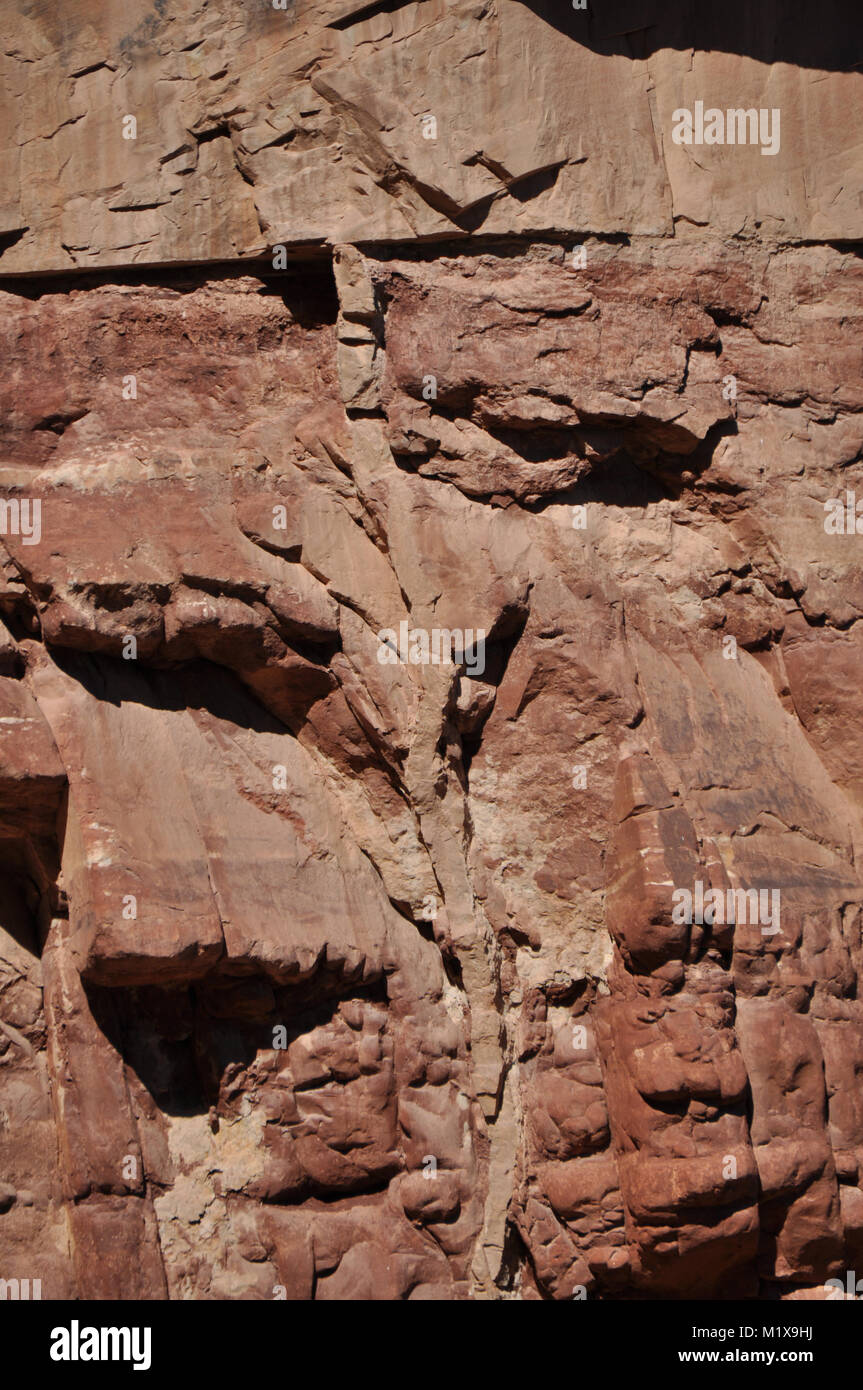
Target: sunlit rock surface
[[329, 970]]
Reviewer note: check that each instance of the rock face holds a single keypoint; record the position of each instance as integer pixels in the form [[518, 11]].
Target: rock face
[[431, 753]]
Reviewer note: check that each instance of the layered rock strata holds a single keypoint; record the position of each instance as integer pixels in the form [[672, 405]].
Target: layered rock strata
[[331, 967]]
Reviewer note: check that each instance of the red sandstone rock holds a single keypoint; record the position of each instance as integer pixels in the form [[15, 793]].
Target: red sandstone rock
[[326, 973]]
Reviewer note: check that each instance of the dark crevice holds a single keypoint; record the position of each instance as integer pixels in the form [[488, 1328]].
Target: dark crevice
[[504, 246], [92, 67], [539, 444], [216, 132], [9, 239], [499, 649], [59, 422], [360, 13], [306, 264]]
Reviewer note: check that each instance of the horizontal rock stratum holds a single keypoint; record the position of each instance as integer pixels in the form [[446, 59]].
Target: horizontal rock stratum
[[431, 752]]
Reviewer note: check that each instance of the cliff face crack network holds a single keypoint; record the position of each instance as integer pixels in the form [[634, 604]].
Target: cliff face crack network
[[431, 752]]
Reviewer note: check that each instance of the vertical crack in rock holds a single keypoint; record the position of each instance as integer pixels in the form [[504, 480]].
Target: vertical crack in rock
[[431, 759]]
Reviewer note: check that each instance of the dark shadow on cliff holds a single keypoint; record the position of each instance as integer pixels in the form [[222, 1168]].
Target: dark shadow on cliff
[[196, 685], [826, 36], [306, 286], [19, 905], [190, 1045]]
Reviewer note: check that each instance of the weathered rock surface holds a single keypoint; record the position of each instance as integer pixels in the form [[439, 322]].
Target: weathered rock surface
[[311, 124], [329, 970]]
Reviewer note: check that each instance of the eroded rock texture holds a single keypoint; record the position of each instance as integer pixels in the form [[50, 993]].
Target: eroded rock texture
[[326, 974]]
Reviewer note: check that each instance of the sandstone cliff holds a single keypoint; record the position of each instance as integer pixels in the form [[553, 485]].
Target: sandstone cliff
[[329, 970]]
